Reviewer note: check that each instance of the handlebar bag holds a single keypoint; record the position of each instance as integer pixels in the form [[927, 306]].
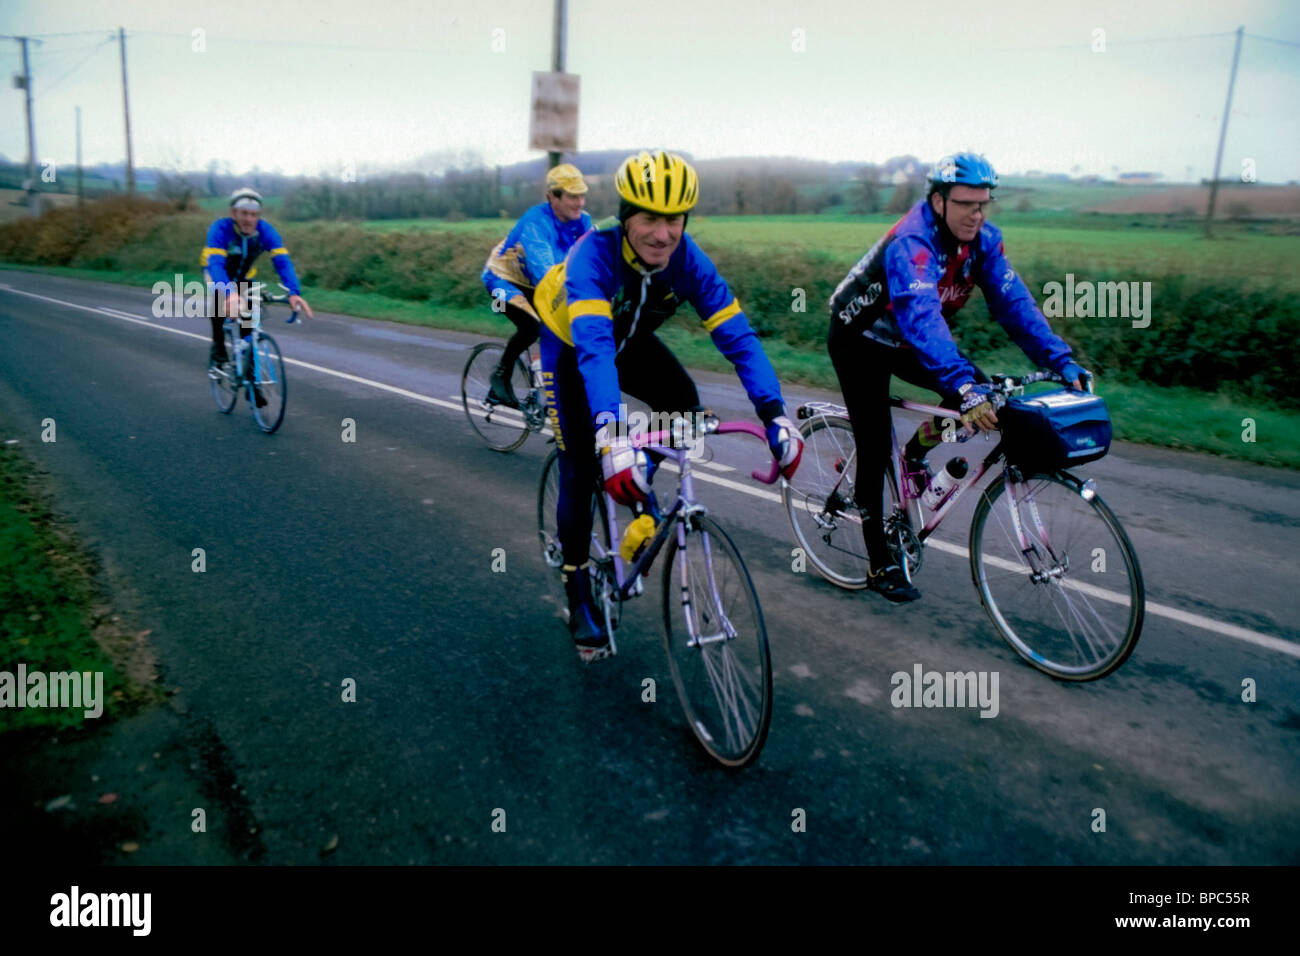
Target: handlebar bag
[[1054, 430]]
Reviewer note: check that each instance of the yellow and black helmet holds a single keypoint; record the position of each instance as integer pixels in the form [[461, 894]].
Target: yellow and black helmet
[[658, 182]]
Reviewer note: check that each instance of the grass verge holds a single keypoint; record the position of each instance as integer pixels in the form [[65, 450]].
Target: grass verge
[[1167, 417], [53, 616]]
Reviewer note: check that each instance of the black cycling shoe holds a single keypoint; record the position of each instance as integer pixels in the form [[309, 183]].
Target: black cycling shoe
[[501, 392], [892, 585], [257, 397], [586, 623], [588, 634]]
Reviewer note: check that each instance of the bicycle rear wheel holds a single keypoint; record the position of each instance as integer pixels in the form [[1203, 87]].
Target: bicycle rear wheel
[[548, 501], [503, 428], [268, 375], [222, 381], [819, 502], [718, 649], [1069, 597], [600, 558]]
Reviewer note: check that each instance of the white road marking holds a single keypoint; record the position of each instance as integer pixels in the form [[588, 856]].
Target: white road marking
[[1266, 641]]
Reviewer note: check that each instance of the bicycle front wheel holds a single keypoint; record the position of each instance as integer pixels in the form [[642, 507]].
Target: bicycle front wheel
[[222, 380], [717, 644], [502, 427], [1057, 575], [819, 502], [270, 391]]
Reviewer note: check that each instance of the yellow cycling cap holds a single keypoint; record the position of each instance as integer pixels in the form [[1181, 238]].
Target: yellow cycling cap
[[566, 176]]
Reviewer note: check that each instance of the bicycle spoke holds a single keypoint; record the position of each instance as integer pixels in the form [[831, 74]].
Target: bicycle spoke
[[820, 503], [1033, 544], [718, 655]]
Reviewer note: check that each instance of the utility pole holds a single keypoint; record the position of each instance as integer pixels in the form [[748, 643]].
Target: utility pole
[[558, 43], [33, 203], [126, 113], [1223, 133], [81, 196]]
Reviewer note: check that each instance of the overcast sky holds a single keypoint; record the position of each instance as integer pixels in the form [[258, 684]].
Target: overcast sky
[[304, 87]]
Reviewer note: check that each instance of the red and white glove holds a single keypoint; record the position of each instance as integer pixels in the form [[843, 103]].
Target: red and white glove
[[786, 443], [623, 467]]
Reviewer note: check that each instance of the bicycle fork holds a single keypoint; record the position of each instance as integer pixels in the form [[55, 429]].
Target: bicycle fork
[[725, 631], [1042, 567]]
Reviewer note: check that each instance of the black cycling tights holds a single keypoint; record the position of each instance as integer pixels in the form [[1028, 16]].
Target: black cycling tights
[[646, 370], [525, 334]]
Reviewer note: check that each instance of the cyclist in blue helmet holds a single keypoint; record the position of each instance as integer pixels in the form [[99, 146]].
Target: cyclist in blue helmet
[[889, 317]]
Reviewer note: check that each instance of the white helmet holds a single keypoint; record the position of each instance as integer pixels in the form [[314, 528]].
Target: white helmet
[[245, 198]]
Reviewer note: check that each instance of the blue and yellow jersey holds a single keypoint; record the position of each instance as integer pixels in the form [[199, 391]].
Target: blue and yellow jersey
[[538, 241], [229, 254], [603, 295]]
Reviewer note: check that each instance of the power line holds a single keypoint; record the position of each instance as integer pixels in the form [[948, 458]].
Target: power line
[[294, 43], [76, 66], [55, 54], [81, 33], [1083, 44], [1256, 36]]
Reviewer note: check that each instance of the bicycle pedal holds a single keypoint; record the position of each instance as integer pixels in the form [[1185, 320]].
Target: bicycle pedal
[[589, 654]]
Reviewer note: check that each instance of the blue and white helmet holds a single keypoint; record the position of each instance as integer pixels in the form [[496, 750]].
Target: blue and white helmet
[[963, 169]]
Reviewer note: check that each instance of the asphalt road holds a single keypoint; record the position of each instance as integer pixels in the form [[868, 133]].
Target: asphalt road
[[372, 560]]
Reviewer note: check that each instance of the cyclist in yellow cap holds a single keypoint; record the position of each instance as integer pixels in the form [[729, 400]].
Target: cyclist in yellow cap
[[541, 238]]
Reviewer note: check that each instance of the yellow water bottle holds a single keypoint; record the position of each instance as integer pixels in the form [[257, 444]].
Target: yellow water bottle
[[640, 531]]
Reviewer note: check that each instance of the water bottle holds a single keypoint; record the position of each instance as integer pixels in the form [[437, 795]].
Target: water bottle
[[640, 531], [945, 483], [241, 349]]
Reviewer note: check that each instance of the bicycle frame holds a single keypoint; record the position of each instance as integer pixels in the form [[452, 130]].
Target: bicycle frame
[[904, 482], [628, 579], [250, 326]]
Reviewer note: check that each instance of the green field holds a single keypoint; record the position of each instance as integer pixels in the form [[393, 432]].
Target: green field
[[1207, 359], [1144, 254]]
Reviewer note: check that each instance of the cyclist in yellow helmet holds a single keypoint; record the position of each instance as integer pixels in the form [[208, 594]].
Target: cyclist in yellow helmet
[[600, 309]]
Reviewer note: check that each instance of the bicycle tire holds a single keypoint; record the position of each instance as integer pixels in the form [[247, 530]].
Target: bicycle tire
[[1053, 513], [548, 493], [502, 428], [268, 366], [548, 498], [714, 683], [224, 391], [819, 503]]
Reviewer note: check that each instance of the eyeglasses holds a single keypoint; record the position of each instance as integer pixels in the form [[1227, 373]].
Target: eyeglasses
[[968, 203]]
